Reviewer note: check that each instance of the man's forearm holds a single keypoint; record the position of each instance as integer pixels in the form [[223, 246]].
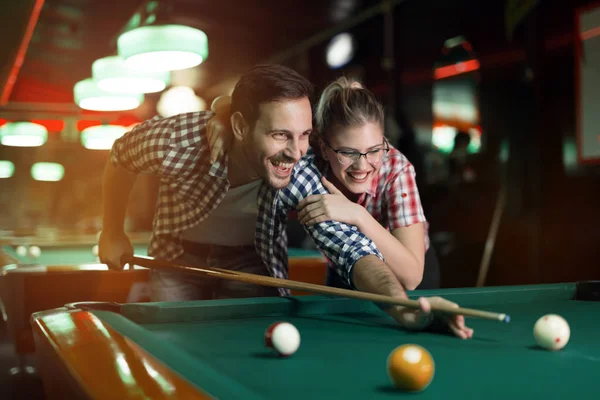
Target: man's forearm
[[372, 275], [403, 263], [116, 187]]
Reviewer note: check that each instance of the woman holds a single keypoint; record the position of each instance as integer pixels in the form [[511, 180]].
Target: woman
[[372, 184]]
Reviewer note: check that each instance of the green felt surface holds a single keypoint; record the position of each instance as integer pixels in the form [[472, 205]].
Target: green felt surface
[[297, 252], [83, 254], [219, 346], [80, 254]]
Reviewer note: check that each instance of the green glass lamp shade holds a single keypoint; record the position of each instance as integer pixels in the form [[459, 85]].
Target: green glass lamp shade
[[113, 75], [101, 137], [23, 134], [90, 97], [7, 169], [47, 171], [163, 47]]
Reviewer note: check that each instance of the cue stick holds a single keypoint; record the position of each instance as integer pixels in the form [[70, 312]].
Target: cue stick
[[491, 239], [152, 263]]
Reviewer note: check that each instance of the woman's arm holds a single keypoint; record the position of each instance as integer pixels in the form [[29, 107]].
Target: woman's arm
[[403, 248]]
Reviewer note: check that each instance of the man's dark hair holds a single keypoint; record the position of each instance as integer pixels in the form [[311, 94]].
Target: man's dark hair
[[267, 83]]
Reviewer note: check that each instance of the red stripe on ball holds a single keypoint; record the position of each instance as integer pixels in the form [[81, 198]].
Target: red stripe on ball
[[269, 335]]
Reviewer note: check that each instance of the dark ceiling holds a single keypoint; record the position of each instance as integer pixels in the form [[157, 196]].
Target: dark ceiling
[[71, 34]]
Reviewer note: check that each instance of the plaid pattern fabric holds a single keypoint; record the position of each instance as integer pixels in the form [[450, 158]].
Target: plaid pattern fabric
[[341, 243], [393, 199], [176, 149]]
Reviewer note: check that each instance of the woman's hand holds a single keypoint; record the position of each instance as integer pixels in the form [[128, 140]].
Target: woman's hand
[[329, 207]]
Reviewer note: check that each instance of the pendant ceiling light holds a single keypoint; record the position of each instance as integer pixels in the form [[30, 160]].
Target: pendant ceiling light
[[7, 169], [90, 97], [23, 134], [47, 171], [101, 137], [340, 50], [113, 75], [178, 100], [163, 47]]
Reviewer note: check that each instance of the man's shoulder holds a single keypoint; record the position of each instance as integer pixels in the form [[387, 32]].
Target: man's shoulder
[[306, 168], [188, 129], [305, 180], [306, 162]]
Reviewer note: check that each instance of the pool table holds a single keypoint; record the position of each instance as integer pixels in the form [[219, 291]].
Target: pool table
[[67, 271], [215, 349], [61, 249]]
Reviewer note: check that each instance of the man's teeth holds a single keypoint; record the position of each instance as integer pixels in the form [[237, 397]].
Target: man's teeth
[[359, 176], [282, 164]]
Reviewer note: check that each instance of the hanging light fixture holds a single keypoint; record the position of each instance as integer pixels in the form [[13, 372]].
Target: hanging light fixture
[[114, 75], [7, 169], [47, 171], [90, 97], [23, 134], [163, 47], [101, 137], [178, 100], [340, 50]]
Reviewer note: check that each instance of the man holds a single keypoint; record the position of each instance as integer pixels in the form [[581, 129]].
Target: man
[[207, 214]]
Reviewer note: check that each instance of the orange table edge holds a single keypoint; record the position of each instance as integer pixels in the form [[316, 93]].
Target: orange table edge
[[78, 346]]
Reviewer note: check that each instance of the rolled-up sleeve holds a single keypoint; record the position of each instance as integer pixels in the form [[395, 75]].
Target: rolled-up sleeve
[[142, 150], [343, 244]]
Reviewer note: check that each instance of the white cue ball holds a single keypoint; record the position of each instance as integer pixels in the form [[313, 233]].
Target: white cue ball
[[35, 251], [95, 250], [282, 337], [552, 332], [21, 251]]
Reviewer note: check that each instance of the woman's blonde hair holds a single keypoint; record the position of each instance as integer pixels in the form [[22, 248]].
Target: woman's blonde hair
[[344, 103]]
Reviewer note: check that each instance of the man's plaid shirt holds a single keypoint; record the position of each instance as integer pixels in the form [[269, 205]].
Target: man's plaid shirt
[[176, 150]]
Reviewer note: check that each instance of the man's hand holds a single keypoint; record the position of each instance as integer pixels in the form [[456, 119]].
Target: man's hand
[[219, 137], [218, 128], [112, 247], [420, 319], [328, 207]]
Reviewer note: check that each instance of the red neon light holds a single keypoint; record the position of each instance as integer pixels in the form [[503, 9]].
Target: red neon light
[[14, 71], [590, 33], [125, 120], [53, 125], [83, 123], [456, 69]]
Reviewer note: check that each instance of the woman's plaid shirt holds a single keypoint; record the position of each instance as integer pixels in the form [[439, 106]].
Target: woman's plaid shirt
[[176, 150]]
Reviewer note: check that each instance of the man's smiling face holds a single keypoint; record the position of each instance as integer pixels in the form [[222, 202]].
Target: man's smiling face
[[279, 139]]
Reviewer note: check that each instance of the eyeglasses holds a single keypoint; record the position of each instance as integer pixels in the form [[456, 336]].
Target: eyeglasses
[[348, 157]]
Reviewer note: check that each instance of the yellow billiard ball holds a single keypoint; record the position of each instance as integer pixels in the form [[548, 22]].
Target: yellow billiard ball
[[410, 367]]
